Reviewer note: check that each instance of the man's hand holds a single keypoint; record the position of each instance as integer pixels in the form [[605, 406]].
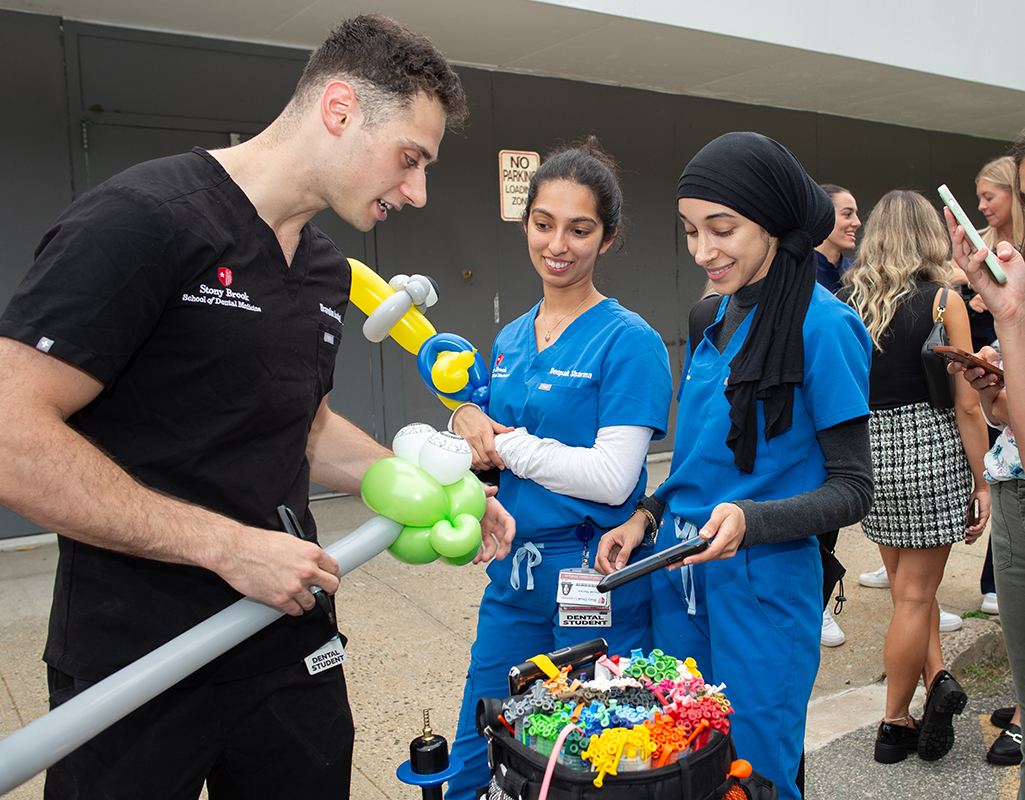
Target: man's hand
[[497, 529], [277, 569]]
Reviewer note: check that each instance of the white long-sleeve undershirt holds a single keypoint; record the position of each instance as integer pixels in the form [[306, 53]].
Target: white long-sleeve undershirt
[[604, 473]]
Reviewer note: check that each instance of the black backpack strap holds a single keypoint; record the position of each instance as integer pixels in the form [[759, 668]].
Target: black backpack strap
[[701, 316]]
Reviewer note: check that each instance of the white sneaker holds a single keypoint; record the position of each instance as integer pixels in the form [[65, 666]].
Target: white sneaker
[[832, 636], [875, 580], [949, 622], [989, 603]]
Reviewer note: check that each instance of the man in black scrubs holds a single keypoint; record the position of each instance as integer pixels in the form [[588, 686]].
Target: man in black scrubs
[[164, 370]]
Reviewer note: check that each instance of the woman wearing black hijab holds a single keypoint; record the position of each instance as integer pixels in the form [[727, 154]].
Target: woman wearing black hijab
[[771, 447]]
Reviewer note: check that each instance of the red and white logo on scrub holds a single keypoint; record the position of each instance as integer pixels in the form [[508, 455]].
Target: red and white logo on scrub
[[224, 276], [500, 359]]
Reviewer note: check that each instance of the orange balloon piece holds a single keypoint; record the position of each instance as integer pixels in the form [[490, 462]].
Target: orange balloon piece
[[741, 769]]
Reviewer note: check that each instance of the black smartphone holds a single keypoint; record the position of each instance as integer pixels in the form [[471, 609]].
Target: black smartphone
[[671, 555], [973, 513]]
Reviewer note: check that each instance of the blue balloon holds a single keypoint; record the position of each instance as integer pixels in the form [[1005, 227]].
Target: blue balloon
[[477, 374]]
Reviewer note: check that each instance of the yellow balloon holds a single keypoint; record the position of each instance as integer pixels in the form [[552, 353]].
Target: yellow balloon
[[412, 331], [369, 290], [450, 370]]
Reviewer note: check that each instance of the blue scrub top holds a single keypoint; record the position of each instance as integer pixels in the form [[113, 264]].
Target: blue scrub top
[[829, 274], [837, 356], [607, 368]]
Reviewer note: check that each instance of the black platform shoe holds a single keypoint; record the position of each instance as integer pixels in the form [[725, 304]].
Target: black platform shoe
[[894, 742], [1001, 717], [1007, 747], [945, 698]]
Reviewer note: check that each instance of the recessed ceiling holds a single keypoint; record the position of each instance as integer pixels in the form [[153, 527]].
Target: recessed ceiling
[[551, 40]]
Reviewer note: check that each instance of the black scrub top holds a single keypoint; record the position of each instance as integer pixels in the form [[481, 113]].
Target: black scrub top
[[166, 286]]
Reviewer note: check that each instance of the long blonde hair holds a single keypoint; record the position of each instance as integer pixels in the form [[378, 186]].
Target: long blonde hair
[[904, 243], [1002, 172]]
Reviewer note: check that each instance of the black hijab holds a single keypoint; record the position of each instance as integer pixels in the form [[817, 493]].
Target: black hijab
[[763, 181]]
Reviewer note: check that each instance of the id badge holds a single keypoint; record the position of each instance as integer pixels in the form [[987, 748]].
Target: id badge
[[329, 655], [579, 587], [581, 605]]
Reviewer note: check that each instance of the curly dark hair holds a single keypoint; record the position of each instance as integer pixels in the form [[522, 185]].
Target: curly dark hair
[[388, 67]]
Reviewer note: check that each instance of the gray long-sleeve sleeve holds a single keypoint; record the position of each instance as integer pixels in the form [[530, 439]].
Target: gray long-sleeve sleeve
[[843, 499]]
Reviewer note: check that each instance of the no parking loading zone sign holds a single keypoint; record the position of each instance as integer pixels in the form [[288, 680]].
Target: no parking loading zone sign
[[515, 168]]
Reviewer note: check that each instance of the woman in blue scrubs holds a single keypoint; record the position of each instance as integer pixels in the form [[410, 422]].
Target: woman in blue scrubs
[[771, 447], [579, 387]]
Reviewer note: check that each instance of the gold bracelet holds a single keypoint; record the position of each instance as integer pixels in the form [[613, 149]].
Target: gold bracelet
[[654, 528]]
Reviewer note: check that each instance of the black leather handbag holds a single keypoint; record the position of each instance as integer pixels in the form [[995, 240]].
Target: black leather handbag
[[941, 391]]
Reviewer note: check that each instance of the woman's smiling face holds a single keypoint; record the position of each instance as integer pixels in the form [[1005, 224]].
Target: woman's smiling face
[[847, 222], [733, 250], [565, 235]]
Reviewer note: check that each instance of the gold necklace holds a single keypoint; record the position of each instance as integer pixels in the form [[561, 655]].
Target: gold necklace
[[548, 331]]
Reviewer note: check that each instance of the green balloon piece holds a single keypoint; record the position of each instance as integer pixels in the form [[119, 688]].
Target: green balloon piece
[[401, 491], [461, 560], [466, 496], [454, 539], [414, 546]]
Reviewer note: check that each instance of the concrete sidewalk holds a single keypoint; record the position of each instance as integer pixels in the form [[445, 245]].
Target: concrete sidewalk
[[410, 630]]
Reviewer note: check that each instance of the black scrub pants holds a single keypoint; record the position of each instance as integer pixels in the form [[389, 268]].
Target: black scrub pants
[[274, 736]]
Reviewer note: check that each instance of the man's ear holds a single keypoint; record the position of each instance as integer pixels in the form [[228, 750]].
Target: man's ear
[[338, 106]]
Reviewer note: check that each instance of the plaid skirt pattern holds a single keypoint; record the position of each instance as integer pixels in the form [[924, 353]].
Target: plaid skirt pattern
[[922, 478]]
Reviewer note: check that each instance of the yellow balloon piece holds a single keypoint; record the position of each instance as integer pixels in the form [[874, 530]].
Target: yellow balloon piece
[[369, 290], [450, 370]]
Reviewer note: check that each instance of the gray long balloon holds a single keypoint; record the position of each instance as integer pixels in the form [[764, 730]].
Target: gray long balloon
[[51, 737]]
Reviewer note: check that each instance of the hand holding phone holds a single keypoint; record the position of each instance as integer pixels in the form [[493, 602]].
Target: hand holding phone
[[967, 360], [973, 235], [973, 513], [671, 555]]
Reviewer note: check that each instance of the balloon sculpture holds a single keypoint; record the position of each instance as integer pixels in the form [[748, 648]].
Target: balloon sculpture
[[425, 490], [428, 488], [451, 367]]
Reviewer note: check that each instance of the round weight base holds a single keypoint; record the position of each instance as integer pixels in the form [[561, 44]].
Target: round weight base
[[405, 773]]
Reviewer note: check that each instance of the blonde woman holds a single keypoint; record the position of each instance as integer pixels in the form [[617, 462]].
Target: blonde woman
[[928, 462], [994, 186]]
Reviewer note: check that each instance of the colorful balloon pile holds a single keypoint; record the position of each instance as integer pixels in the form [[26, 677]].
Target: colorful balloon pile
[[451, 367], [428, 488], [637, 713]]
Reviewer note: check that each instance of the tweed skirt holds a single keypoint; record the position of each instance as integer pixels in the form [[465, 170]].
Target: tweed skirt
[[922, 478]]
